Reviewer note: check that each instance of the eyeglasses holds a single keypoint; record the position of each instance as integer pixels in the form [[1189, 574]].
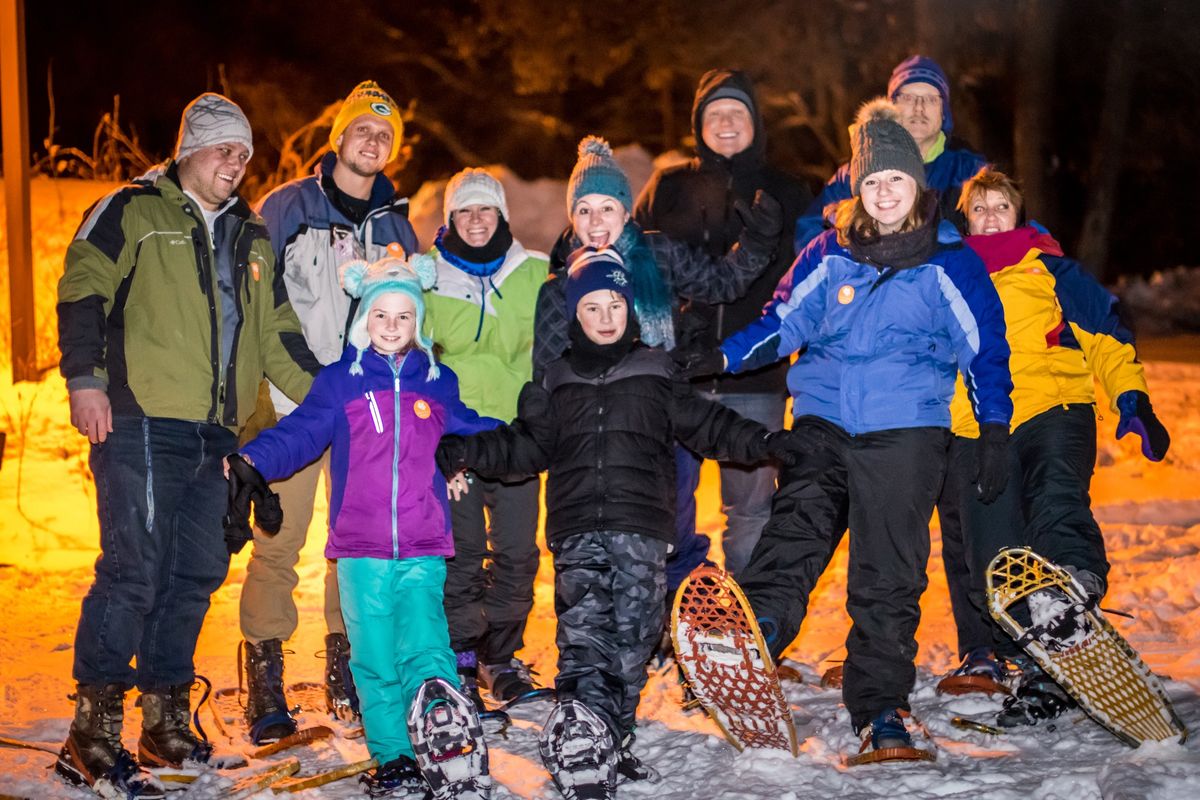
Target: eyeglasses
[[910, 99]]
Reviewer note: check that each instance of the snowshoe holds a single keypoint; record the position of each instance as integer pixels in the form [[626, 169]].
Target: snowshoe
[[267, 712], [447, 739], [1070, 638], [341, 698], [630, 767], [721, 650], [510, 684], [1037, 698], [329, 775], [980, 672], [399, 777], [832, 678], [887, 739], [93, 755], [577, 749]]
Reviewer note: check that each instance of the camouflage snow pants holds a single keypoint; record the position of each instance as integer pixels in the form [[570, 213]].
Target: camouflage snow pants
[[610, 590]]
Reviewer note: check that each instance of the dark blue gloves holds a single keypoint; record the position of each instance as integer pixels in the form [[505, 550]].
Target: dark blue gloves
[[991, 462], [1137, 415]]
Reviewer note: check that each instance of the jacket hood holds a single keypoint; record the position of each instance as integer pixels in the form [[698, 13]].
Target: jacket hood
[[737, 84]]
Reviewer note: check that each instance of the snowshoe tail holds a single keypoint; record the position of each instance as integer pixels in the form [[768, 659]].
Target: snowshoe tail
[[21, 744], [321, 778], [1098, 669], [253, 784], [300, 737], [970, 684], [578, 751], [448, 742], [967, 724], [890, 754]]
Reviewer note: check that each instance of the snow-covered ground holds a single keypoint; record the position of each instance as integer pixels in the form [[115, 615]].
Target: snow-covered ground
[[1150, 514]]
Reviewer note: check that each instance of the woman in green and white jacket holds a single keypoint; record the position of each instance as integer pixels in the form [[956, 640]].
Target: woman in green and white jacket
[[480, 314]]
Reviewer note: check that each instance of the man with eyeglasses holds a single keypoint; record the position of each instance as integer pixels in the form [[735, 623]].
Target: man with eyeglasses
[[920, 90]]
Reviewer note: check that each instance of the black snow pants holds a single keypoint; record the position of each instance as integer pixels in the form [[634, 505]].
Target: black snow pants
[[1046, 504], [884, 484]]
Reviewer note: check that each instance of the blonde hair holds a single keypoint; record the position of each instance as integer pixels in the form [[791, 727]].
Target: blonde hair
[[852, 215], [987, 180]]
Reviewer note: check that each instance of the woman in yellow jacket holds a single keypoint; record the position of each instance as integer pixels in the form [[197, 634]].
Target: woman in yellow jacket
[[1064, 333]]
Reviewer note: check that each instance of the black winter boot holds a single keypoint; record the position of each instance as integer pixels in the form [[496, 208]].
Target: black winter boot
[[468, 677], [341, 698], [167, 739], [266, 707], [93, 756]]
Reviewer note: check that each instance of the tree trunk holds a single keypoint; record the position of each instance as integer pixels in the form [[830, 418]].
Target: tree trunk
[[1106, 157], [1033, 116]]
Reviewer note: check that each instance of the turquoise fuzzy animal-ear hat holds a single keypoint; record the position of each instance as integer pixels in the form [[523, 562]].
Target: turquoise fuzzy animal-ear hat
[[369, 282]]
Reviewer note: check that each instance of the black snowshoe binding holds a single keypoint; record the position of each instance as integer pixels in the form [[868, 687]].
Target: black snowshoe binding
[[632, 768], [399, 777], [341, 698], [447, 738], [266, 707], [93, 755], [577, 749], [1037, 698], [167, 739]]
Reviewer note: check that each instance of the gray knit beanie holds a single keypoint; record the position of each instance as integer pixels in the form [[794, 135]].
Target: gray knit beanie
[[878, 141], [212, 119], [597, 172]]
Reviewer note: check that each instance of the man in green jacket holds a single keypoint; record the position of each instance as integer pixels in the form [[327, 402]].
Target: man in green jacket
[[170, 313]]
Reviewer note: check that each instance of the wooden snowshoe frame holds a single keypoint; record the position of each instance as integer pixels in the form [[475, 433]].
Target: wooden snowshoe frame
[[727, 663], [322, 778], [970, 684], [300, 737], [1104, 674]]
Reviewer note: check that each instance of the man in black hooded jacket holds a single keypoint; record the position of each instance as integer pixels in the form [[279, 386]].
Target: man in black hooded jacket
[[695, 202]]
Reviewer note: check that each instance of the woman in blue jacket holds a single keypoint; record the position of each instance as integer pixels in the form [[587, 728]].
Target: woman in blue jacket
[[890, 306]]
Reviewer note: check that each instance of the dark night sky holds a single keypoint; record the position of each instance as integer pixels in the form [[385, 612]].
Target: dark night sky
[[158, 55]]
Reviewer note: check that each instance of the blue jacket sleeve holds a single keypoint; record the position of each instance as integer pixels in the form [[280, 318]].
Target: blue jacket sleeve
[[812, 222], [1084, 301], [788, 319], [300, 437], [976, 325]]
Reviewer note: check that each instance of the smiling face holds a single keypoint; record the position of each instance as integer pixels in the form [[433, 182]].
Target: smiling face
[[476, 224], [598, 219], [365, 145], [726, 126], [603, 315], [888, 196], [392, 323], [990, 212], [212, 174]]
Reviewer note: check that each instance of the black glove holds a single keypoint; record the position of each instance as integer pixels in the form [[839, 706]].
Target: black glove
[[761, 222], [698, 362], [785, 447], [451, 455], [246, 485], [1137, 415], [991, 462]]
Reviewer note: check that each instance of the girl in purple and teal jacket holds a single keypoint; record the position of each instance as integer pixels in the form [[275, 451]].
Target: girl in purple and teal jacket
[[381, 410]]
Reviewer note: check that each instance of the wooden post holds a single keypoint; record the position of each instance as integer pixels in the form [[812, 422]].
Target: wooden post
[[16, 189]]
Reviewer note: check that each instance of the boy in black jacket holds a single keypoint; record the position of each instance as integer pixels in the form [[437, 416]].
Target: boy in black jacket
[[604, 424]]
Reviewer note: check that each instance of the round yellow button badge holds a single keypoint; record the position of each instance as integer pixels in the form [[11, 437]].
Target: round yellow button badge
[[421, 409], [845, 294]]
